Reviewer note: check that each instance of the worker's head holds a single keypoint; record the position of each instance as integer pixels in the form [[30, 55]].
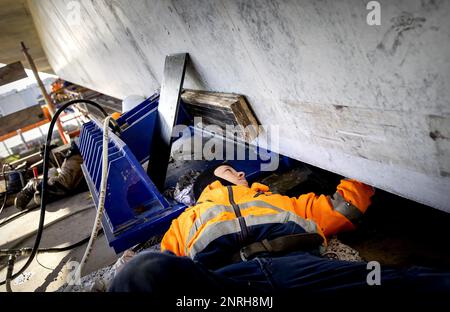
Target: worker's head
[[224, 173]]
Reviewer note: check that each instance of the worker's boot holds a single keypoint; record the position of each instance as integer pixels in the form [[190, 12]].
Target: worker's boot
[[25, 195], [55, 191]]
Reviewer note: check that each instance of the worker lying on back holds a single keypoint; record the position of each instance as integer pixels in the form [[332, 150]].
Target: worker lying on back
[[67, 182], [243, 239]]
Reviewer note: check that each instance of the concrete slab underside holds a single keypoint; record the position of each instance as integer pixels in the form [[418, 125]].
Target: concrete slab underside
[[368, 102], [69, 222], [16, 25]]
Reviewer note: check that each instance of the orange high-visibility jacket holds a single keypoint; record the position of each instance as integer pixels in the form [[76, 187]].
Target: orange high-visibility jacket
[[231, 211]]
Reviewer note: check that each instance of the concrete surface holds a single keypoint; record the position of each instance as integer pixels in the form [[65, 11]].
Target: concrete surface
[[16, 25], [367, 102], [68, 222]]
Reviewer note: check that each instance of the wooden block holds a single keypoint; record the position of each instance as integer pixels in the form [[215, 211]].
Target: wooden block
[[222, 109], [12, 72]]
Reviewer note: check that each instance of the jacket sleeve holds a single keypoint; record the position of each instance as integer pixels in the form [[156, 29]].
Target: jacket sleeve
[[337, 213], [172, 240], [175, 238]]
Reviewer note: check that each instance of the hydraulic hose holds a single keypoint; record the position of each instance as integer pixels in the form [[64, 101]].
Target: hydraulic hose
[[14, 253], [9, 272], [45, 180], [61, 249], [27, 250], [15, 216], [101, 198]]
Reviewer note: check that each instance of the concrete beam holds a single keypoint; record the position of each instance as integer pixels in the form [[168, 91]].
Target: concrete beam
[[16, 25], [368, 102]]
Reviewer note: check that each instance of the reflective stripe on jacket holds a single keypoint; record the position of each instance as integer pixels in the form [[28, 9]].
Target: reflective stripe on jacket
[[231, 211]]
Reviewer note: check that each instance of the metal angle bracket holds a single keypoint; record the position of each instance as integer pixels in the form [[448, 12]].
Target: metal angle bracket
[[169, 102]]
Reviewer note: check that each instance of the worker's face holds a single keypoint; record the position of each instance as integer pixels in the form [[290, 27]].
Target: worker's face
[[228, 173]]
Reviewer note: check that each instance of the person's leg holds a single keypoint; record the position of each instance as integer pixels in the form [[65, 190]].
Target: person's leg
[[305, 273], [299, 274], [162, 274], [55, 191], [26, 194]]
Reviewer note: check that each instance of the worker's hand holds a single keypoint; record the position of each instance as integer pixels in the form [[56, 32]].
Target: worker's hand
[[366, 187], [356, 193]]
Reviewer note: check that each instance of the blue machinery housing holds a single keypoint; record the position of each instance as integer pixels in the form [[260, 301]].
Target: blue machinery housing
[[135, 210]]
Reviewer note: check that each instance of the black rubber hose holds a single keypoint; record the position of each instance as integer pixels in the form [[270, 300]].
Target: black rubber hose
[[15, 216], [60, 249], [9, 272], [27, 250], [45, 178]]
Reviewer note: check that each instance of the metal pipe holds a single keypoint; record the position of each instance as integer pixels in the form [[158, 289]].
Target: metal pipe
[[47, 98]]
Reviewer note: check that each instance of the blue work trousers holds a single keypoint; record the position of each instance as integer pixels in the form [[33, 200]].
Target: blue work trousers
[[298, 273]]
